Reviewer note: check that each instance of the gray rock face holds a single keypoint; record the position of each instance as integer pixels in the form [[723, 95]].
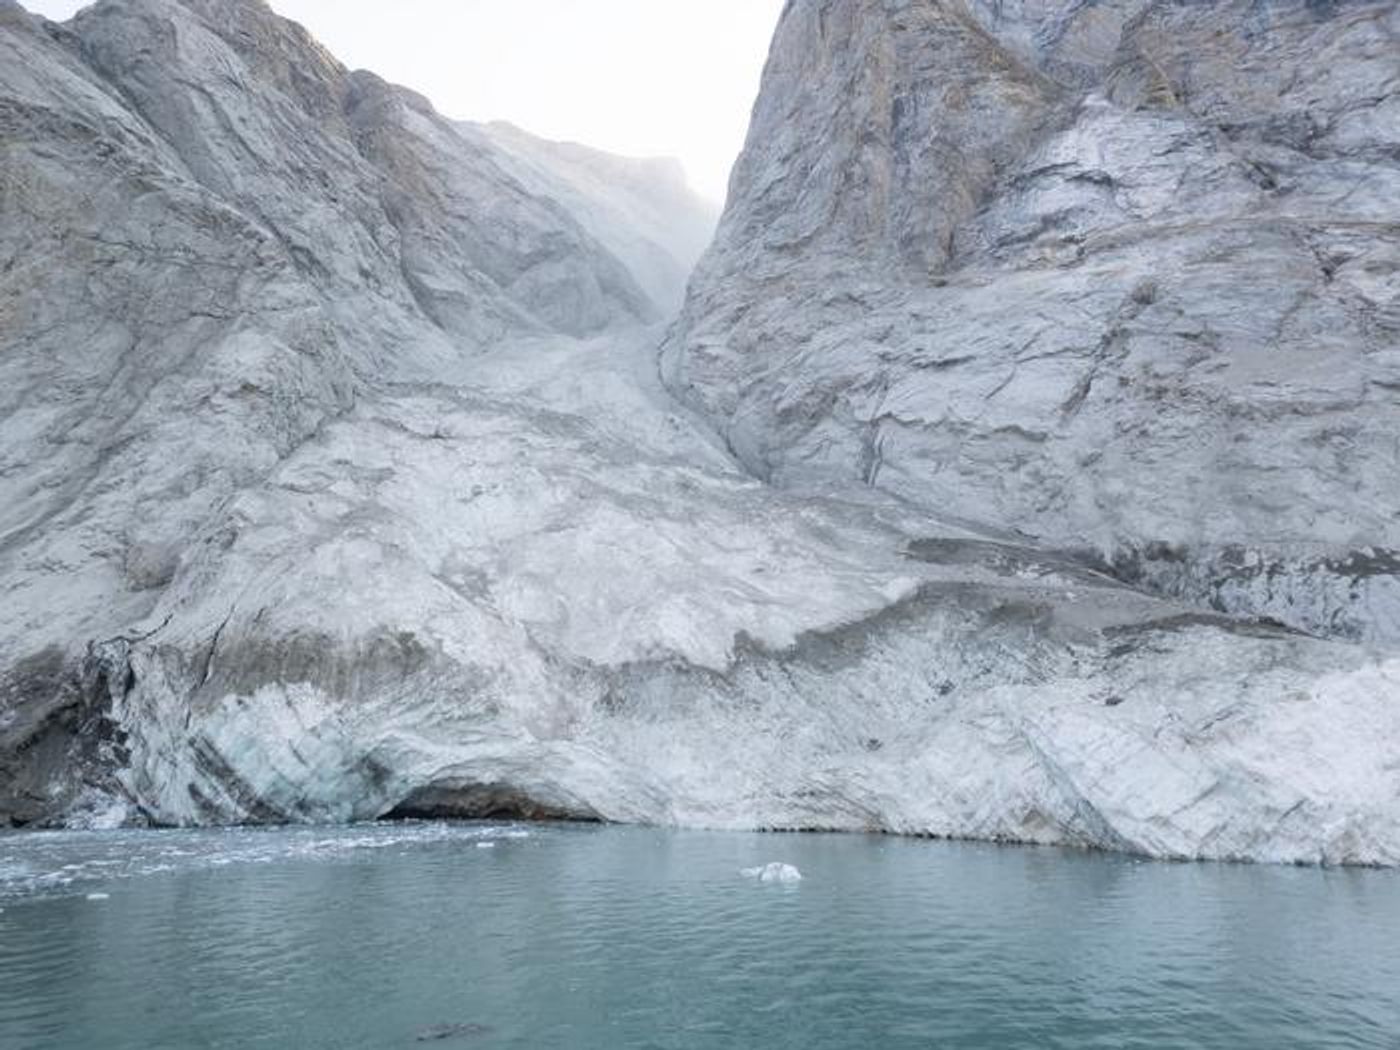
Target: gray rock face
[[365, 187], [340, 481], [642, 210], [1120, 276], [214, 239]]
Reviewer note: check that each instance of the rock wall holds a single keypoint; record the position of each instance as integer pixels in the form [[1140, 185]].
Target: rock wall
[[642, 210], [1118, 276], [338, 481], [214, 241]]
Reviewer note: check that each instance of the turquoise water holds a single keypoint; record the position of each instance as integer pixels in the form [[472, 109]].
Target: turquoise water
[[600, 937]]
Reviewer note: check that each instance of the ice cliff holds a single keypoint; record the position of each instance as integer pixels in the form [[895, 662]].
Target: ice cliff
[[1021, 466]]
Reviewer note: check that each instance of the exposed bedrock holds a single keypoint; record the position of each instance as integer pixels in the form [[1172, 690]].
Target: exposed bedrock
[[612, 633], [215, 240], [1123, 277], [1032, 477]]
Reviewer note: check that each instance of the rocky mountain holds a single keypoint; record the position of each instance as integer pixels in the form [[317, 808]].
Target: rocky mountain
[[216, 240], [1119, 275], [341, 480], [642, 210]]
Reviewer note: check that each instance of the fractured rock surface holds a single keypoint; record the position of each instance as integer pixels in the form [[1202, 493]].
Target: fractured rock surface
[[341, 480], [1122, 276]]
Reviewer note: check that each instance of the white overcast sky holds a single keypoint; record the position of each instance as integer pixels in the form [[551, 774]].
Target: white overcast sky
[[641, 77]]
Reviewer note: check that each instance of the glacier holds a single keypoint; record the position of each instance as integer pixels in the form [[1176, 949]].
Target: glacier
[[351, 468]]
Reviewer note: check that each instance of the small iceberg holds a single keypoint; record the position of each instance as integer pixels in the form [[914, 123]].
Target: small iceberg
[[776, 871], [485, 845], [98, 896]]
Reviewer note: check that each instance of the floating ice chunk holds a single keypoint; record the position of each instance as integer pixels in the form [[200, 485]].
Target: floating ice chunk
[[98, 896], [485, 845], [97, 812], [776, 871]]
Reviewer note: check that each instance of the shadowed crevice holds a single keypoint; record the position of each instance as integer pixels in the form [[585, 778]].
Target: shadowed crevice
[[483, 802]]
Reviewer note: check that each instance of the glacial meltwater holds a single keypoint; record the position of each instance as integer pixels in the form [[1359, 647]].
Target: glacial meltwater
[[578, 937]]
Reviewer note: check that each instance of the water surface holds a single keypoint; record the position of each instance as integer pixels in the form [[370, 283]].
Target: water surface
[[534, 937]]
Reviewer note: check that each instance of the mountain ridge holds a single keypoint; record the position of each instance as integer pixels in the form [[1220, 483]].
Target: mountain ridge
[[340, 477], [1054, 331]]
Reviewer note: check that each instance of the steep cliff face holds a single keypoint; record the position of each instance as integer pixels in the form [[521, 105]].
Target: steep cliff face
[[1119, 276], [214, 239], [365, 186], [642, 210], [339, 480]]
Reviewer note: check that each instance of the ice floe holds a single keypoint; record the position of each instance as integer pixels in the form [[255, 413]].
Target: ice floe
[[774, 871]]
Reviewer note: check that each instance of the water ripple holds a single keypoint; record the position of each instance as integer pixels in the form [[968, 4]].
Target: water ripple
[[585, 938]]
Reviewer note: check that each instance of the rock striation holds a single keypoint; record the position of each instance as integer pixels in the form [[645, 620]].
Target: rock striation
[[340, 480], [215, 240], [1120, 276]]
